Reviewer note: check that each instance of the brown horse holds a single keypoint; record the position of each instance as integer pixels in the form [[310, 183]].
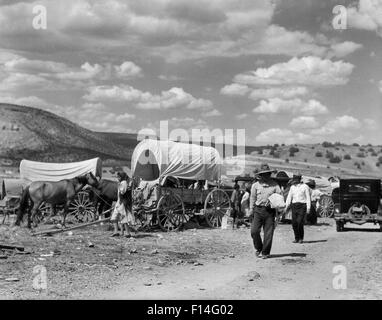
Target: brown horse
[[54, 193]]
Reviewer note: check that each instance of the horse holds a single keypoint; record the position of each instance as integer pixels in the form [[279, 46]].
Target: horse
[[104, 194], [54, 193]]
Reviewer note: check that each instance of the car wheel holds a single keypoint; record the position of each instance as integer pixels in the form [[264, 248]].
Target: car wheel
[[339, 226]]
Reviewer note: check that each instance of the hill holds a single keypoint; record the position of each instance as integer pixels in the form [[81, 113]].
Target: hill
[[322, 159], [40, 135]]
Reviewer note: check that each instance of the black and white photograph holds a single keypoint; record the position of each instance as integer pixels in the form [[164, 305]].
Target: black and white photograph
[[190, 150]]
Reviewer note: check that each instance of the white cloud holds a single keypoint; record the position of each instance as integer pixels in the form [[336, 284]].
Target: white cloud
[[302, 71], [367, 15], [340, 123], [173, 98], [212, 113], [304, 122], [235, 89], [278, 92], [280, 106], [277, 135], [31, 101], [343, 49], [94, 116], [241, 116], [128, 69]]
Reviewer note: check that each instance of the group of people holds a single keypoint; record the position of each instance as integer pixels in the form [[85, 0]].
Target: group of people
[[301, 198]]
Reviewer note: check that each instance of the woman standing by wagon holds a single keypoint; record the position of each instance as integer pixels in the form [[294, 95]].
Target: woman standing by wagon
[[122, 211]]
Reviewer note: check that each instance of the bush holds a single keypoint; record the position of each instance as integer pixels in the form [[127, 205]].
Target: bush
[[377, 164], [276, 155], [291, 154], [294, 149], [355, 145], [318, 154], [362, 149], [305, 160], [360, 155], [260, 151], [335, 159], [374, 154], [327, 144], [380, 159], [370, 150], [287, 160], [347, 157], [329, 154]]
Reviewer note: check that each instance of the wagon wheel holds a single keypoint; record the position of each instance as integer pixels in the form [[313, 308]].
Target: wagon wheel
[[82, 208], [44, 211], [216, 206], [326, 209], [143, 219], [170, 212]]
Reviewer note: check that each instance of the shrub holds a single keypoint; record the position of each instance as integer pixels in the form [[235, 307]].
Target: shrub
[[335, 159], [370, 150], [305, 160], [377, 164], [276, 154], [380, 159], [318, 154], [374, 154], [260, 151], [347, 157], [327, 144], [360, 155], [287, 160], [362, 149], [293, 149], [329, 154], [355, 145]]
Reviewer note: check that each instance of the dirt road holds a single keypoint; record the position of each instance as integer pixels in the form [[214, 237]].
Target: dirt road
[[295, 271], [203, 264]]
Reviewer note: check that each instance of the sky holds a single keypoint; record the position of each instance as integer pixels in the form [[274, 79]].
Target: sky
[[290, 71]]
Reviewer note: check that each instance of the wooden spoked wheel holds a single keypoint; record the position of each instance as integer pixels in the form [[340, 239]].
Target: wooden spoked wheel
[[82, 209], [326, 209], [171, 212], [143, 219], [44, 211], [216, 206]]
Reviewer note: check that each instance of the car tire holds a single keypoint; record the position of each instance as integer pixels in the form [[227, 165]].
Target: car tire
[[339, 226]]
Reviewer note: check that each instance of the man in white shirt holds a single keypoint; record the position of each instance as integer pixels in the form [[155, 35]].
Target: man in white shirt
[[263, 214], [299, 201]]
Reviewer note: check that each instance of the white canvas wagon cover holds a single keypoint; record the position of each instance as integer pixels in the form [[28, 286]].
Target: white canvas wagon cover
[[45, 171], [154, 159]]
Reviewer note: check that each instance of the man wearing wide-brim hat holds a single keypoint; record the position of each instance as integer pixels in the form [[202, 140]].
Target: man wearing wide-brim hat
[[263, 214], [300, 202]]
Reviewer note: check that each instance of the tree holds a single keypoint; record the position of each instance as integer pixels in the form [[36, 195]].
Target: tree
[[327, 144]]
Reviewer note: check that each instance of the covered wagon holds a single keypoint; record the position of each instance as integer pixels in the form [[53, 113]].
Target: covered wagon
[[177, 180], [81, 208]]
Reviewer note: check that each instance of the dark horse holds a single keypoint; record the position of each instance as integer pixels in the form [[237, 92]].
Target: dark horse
[[103, 195], [54, 193]]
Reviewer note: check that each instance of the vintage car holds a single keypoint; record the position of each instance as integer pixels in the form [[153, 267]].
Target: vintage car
[[357, 201]]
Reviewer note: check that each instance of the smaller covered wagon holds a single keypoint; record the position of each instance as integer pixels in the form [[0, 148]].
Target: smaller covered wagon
[[176, 181], [82, 208]]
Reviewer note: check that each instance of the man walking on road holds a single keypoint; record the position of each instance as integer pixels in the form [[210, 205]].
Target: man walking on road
[[263, 214], [299, 200]]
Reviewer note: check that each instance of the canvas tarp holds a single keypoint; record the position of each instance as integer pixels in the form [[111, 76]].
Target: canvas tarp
[[44, 171], [154, 159], [11, 187]]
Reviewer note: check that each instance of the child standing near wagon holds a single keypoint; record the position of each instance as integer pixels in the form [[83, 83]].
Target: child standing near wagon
[[122, 212]]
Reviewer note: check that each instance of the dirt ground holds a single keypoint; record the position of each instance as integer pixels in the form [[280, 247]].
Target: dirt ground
[[193, 264]]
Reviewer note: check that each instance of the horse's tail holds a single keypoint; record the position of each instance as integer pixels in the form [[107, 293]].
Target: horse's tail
[[24, 202]]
